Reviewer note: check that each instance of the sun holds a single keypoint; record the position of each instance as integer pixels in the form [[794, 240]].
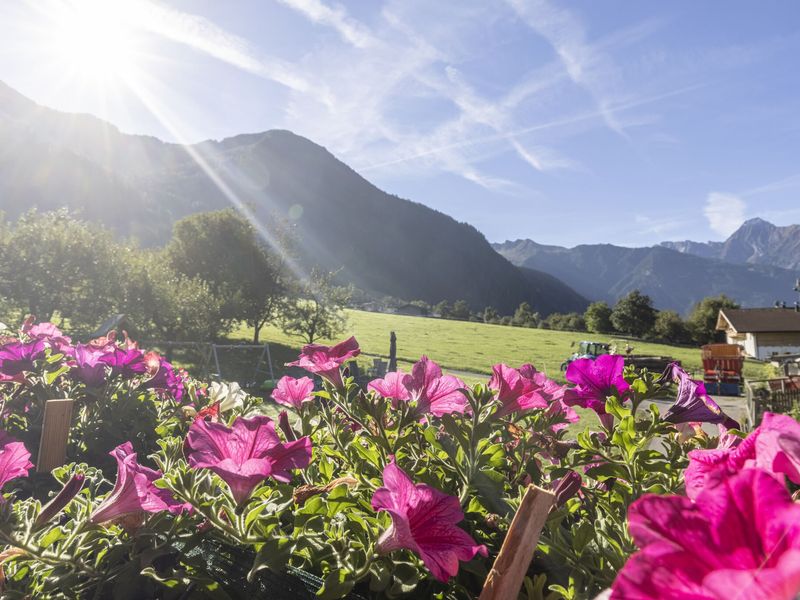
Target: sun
[[93, 41]]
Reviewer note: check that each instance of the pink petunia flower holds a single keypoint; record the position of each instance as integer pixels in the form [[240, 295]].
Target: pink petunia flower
[[739, 539], [15, 460], [423, 521], [134, 492], [246, 454], [293, 392], [596, 380], [433, 392], [17, 357], [773, 446], [326, 361], [515, 393], [391, 387]]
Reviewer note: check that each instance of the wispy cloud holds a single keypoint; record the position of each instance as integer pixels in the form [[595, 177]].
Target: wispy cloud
[[334, 16], [725, 212], [204, 36]]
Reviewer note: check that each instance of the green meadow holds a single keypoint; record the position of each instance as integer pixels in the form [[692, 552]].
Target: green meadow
[[471, 348]]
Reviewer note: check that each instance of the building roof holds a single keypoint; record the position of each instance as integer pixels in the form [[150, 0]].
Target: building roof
[[754, 320]]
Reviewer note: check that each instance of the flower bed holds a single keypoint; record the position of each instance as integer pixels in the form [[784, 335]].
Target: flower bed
[[179, 489]]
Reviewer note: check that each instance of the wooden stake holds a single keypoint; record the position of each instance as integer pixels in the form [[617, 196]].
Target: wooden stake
[[55, 431], [508, 572]]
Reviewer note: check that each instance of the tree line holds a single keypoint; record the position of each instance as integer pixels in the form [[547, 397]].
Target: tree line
[[633, 315], [216, 271]]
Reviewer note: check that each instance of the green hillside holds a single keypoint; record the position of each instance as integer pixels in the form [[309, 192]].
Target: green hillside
[[472, 348]]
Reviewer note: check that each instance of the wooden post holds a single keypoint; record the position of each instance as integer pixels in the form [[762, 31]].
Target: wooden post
[[55, 431], [392, 352], [508, 572]]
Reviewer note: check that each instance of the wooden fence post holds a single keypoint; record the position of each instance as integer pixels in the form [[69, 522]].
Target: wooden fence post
[[392, 352], [55, 431], [508, 572]]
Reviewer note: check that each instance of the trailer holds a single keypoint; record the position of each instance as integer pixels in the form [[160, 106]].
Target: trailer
[[722, 369]]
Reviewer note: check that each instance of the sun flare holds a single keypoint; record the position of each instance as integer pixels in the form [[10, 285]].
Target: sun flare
[[94, 42]]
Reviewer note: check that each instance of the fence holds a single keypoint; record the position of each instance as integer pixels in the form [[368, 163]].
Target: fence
[[771, 395]]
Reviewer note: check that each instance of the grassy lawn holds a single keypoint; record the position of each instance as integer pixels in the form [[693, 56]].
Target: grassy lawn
[[469, 348]]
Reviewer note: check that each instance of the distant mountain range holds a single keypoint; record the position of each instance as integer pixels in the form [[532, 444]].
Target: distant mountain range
[[756, 242], [748, 266], [140, 185]]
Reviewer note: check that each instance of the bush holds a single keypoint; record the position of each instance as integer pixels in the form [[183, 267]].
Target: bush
[[598, 318]]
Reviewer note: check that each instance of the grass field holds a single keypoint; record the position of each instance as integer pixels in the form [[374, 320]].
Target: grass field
[[469, 348]]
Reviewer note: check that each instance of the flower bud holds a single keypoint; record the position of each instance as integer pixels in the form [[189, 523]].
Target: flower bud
[[60, 501], [566, 487]]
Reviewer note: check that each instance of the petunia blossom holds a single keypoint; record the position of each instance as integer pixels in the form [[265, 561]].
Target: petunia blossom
[[48, 333], [739, 539], [227, 396], [693, 402], [163, 378], [326, 361], [391, 387], [773, 446], [88, 366], [134, 491], [293, 392], [125, 362], [15, 460], [433, 392], [245, 454], [423, 521], [596, 379], [515, 393], [16, 357]]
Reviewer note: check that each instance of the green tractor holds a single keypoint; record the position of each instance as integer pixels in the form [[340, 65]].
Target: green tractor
[[587, 350]]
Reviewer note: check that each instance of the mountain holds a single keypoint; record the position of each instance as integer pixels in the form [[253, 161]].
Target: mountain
[[673, 280], [140, 185], [757, 242]]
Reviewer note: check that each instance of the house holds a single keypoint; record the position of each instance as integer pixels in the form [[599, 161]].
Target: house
[[762, 332]]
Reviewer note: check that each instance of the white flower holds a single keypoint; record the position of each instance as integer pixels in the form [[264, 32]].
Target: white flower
[[229, 395]]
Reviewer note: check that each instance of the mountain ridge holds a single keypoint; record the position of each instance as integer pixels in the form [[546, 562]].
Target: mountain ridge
[[139, 186]]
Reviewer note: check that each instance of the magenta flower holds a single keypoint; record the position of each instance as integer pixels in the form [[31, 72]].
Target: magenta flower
[[391, 387], [773, 446], [126, 363], [423, 521], [596, 380], [326, 361], [246, 454], [48, 333], [293, 392], [740, 539], [433, 392], [134, 492], [15, 460], [17, 357], [164, 379], [88, 366], [515, 393], [566, 487], [693, 402]]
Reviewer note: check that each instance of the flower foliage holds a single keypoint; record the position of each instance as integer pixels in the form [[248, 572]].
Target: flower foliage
[[403, 486]]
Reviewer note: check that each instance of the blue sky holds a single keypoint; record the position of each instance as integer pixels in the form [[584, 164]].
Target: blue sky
[[567, 122]]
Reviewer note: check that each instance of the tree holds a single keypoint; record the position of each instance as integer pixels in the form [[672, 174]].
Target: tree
[[224, 249], [564, 322], [671, 328], [167, 305], [460, 310], [598, 318], [702, 321], [634, 314], [524, 316], [490, 315], [51, 263], [317, 309], [443, 309]]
